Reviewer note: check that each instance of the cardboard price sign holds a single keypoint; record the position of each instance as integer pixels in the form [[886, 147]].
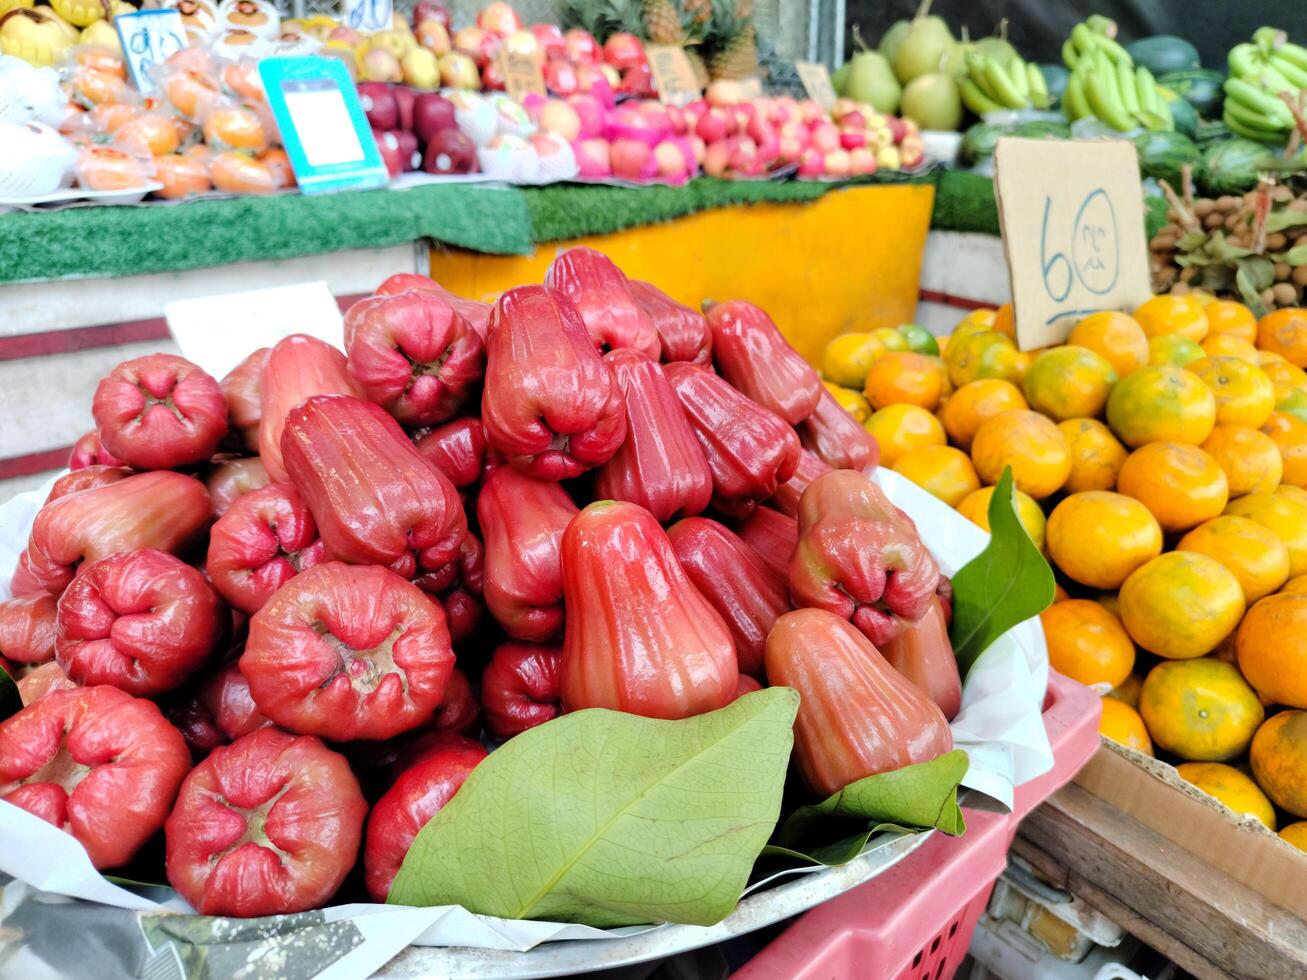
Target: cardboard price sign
[[522, 74], [672, 75], [816, 82], [1072, 215]]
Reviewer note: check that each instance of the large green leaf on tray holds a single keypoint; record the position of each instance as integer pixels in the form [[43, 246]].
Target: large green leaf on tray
[[1004, 585], [914, 798], [611, 819]]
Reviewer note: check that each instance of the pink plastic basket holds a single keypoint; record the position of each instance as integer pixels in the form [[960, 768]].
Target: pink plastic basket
[[914, 922]]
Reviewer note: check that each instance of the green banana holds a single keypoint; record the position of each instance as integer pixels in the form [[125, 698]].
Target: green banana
[[1016, 73], [1258, 101], [1295, 54], [1000, 86], [1244, 60], [1106, 102], [1125, 83], [1297, 77], [1273, 81], [1269, 38], [1112, 49], [1039, 97], [1100, 24], [1168, 117], [1070, 56], [1252, 119], [1073, 99], [976, 100], [1250, 132], [1146, 90]]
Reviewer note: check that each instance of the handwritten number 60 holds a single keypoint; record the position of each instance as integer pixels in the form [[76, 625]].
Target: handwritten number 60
[[1050, 263]]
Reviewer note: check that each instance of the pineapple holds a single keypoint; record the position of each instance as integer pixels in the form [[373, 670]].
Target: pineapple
[[733, 52], [662, 22], [585, 14], [623, 16]]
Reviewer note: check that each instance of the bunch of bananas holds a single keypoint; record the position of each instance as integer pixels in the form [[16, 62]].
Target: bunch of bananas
[[987, 85], [1260, 72], [1105, 82]]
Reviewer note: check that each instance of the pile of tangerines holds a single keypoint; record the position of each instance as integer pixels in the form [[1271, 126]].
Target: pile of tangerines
[[1160, 460]]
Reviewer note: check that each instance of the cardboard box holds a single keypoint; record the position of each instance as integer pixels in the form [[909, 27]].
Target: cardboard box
[[1153, 793]]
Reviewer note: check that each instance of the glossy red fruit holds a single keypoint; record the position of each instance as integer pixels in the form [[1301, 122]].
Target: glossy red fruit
[[268, 825], [375, 499], [457, 448], [661, 465], [747, 685], [86, 478], [265, 539], [87, 451], [773, 537], [748, 595], [348, 652], [750, 450], [857, 715], [232, 478], [683, 333], [40, 681], [755, 358], [834, 436], [98, 764], [523, 522], [27, 628], [473, 311], [414, 355], [640, 637], [459, 586], [158, 412], [860, 557], [420, 792], [602, 295], [520, 688], [923, 654], [297, 368], [240, 387], [196, 725], [786, 497], [227, 699], [161, 510], [550, 406], [458, 711], [141, 620]]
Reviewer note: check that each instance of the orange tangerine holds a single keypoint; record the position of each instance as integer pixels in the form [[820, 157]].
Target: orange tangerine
[[1289, 434], [1295, 834], [1109, 601], [899, 428], [1226, 318], [1293, 402], [1004, 322], [1161, 404], [1099, 538], [1249, 458], [1225, 345], [1060, 594], [1068, 382], [941, 471], [190, 92], [1284, 376], [1202, 710], [851, 401], [1244, 395], [1121, 723], [237, 173], [1167, 314], [278, 165], [1279, 760], [1181, 605], [975, 508], [1181, 485], [903, 378], [848, 357], [1172, 349], [1272, 648], [1292, 492], [1297, 584], [1088, 644], [975, 402], [1251, 551], [1284, 515], [1284, 332], [1032, 445], [235, 128], [1117, 337], [977, 321], [1231, 787], [1096, 456], [151, 133], [181, 175], [104, 168], [1128, 690], [984, 354]]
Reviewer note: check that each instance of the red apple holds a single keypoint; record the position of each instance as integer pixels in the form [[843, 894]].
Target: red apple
[[898, 128], [632, 159], [911, 151], [404, 99], [825, 137], [674, 159], [837, 163], [499, 18], [637, 80], [862, 162], [714, 125], [379, 105], [676, 117], [560, 77], [699, 148], [810, 112], [812, 163], [450, 151], [581, 47], [559, 118], [388, 146], [476, 43], [593, 79], [550, 39], [380, 65], [593, 157], [458, 70], [430, 10], [432, 112], [492, 76], [716, 158], [434, 36], [853, 119], [623, 50], [852, 139], [590, 110]]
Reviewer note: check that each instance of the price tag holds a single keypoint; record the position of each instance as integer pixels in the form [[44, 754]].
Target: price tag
[[369, 15], [816, 82], [522, 74], [672, 75], [216, 332], [1072, 214], [149, 38], [322, 124]]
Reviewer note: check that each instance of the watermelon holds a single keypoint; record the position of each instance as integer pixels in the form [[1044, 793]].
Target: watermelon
[[978, 142], [1163, 155], [1183, 114], [1164, 53], [1036, 129], [1200, 87], [1230, 167], [1210, 132]]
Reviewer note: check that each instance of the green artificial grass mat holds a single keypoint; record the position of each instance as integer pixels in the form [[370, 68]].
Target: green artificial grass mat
[[965, 202]]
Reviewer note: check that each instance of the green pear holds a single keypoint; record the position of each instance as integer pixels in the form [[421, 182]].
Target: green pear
[[871, 79], [892, 38], [925, 47], [933, 101]]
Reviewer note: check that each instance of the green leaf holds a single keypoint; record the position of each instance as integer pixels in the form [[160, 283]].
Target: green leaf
[[1254, 275], [611, 819], [10, 702], [1004, 585], [910, 799], [1284, 218]]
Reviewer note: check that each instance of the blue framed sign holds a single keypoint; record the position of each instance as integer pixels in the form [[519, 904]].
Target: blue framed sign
[[322, 124], [149, 38]]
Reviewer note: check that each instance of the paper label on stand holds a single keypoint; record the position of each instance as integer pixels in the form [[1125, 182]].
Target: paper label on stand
[[149, 38], [218, 332], [673, 77], [816, 82], [522, 74], [1072, 214]]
